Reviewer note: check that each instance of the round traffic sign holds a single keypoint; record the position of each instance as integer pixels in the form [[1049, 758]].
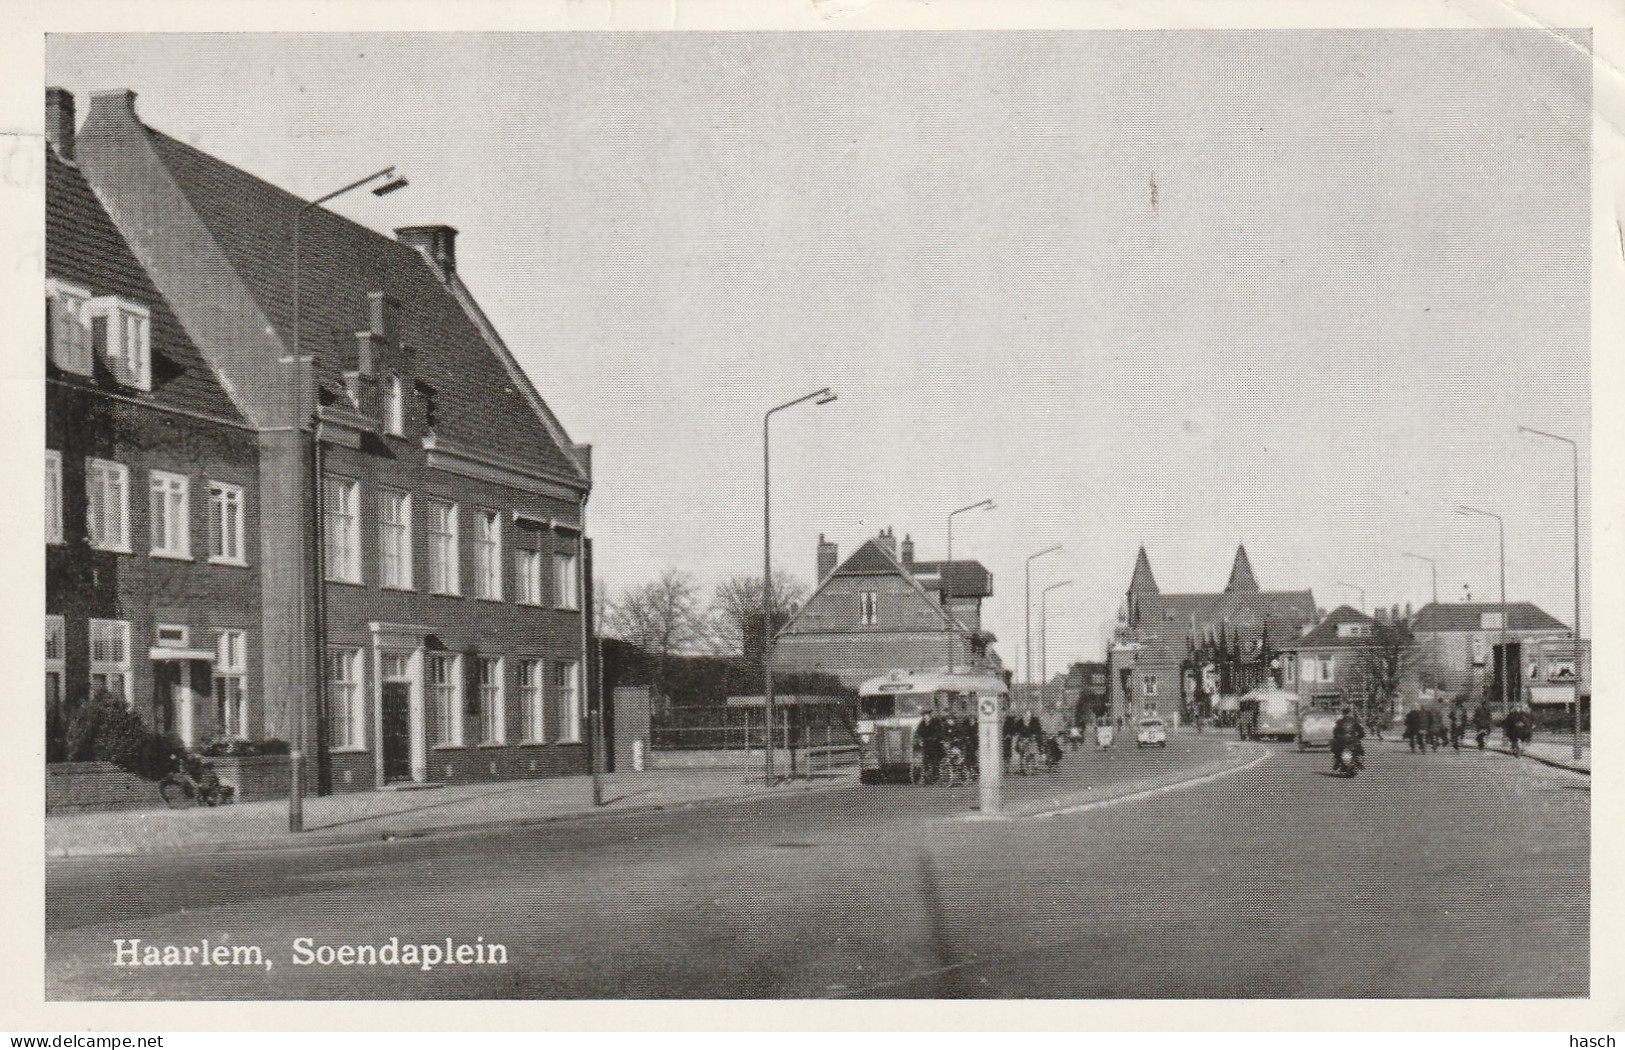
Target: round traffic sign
[[989, 707]]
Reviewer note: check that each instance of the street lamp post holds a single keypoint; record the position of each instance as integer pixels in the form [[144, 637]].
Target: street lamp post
[[389, 182], [823, 397], [1358, 590], [1432, 565], [1043, 640], [1027, 614], [1501, 531], [1579, 662], [947, 576]]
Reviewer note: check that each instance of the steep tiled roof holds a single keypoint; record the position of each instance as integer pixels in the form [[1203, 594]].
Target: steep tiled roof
[[1241, 574], [868, 560], [1467, 616], [1143, 582], [964, 579], [84, 247], [1326, 634], [250, 222]]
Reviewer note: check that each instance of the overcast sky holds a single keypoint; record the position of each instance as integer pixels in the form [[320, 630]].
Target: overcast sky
[[1181, 289]]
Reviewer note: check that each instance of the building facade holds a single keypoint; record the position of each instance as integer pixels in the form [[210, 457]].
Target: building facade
[[418, 571], [1150, 658], [881, 610], [151, 487], [1355, 658], [1459, 655]]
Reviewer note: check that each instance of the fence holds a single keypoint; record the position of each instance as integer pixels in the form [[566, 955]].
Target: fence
[[722, 728]]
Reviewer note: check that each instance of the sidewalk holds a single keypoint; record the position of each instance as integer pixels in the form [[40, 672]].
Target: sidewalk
[[373, 815]]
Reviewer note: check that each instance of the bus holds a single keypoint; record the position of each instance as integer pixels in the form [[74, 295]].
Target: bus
[[1269, 713], [891, 706]]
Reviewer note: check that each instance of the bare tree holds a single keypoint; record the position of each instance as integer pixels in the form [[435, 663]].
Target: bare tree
[[663, 617], [1380, 667], [736, 611]]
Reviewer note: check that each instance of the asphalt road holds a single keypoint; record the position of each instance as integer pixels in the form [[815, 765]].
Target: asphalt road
[[1440, 875]]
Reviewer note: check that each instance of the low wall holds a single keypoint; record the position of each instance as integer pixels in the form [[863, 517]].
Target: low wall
[[254, 778], [717, 759], [81, 787]]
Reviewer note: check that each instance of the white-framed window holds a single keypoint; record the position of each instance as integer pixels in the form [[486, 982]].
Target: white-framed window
[[488, 555], [566, 593], [172, 636], [492, 717], [342, 518], [171, 515], [395, 540], [1150, 683], [55, 658], [567, 695], [1289, 669], [67, 327], [531, 701], [231, 684], [1328, 668], [395, 406], [1490, 621], [121, 333], [110, 658], [528, 569], [867, 607], [345, 699], [107, 504], [443, 549], [53, 496], [226, 524], [1354, 630], [443, 676]]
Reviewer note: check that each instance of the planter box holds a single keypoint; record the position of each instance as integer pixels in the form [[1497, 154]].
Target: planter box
[[255, 778]]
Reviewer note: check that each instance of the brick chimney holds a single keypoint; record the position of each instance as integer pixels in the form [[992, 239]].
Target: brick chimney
[[828, 555], [888, 541], [59, 122], [437, 244], [908, 552]]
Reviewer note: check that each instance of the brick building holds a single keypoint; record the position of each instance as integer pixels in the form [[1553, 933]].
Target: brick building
[[1457, 646], [151, 486], [881, 610], [413, 514], [1346, 655], [1157, 634]]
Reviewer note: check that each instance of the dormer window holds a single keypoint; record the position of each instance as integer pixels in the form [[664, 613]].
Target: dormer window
[[1354, 630], [121, 334], [67, 327], [395, 407]]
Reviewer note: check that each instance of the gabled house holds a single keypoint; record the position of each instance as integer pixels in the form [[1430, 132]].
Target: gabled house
[[152, 505], [1458, 645], [1157, 632], [418, 513], [1347, 657], [880, 610]]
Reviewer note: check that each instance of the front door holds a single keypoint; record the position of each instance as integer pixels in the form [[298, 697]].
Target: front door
[[397, 731]]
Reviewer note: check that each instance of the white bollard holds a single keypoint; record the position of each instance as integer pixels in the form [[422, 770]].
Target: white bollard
[[990, 752], [637, 755]]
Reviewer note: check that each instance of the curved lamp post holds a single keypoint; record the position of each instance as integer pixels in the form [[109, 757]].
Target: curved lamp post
[[387, 182], [1027, 611], [1501, 531], [1043, 639], [947, 575], [821, 397], [1579, 662]]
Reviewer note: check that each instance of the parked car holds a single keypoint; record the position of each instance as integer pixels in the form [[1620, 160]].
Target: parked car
[[1315, 728], [1153, 733]]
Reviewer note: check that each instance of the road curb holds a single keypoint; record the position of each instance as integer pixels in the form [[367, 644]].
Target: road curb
[[293, 843], [1554, 763], [1078, 803]]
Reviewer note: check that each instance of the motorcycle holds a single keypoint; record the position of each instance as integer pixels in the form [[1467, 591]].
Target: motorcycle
[[1347, 760]]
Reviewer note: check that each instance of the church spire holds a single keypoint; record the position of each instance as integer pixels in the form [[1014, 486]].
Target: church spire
[[1242, 580], [1143, 582]]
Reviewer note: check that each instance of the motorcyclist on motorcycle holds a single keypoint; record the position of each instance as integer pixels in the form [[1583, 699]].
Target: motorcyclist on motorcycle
[[1346, 737]]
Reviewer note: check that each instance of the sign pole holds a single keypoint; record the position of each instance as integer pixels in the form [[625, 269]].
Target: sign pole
[[990, 752]]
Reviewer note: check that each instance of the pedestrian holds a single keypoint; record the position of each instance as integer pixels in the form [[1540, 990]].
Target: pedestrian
[[1012, 725], [932, 740], [1458, 725], [1416, 729], [1483, 722], [1519, 728]]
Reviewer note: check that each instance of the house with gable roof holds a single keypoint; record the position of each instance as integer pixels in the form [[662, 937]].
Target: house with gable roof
[[881, 610], [1157, 632], [418, 512]]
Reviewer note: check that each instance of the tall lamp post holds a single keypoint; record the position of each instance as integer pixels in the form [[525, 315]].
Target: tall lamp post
[[947, 576], [1027, 612], [1358, 590], [1432, 565], [1501, 530], [1579, 662], [388, 182], [1043, 640], [822, 397]]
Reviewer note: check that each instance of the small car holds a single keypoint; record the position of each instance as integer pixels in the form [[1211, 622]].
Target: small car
[[1315, 729], [1153, 733]]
